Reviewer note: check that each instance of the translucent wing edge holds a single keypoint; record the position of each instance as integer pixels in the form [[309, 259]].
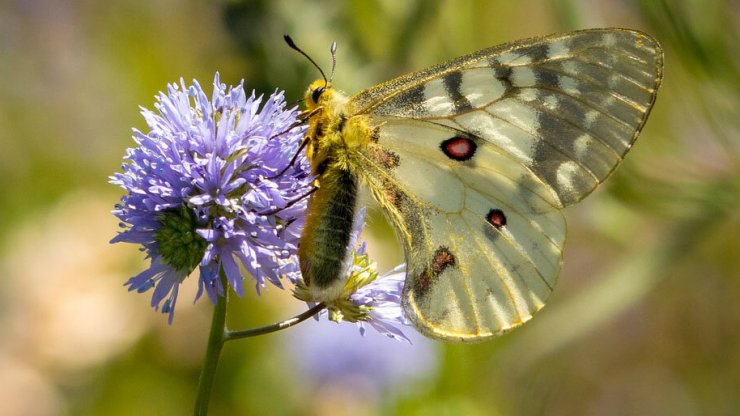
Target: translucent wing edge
[[365, 100]]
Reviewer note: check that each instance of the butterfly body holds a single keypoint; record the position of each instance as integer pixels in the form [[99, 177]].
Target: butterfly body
[[334, 142], [472, 162]]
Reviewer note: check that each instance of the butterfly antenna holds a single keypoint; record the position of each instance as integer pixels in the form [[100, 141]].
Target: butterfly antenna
[[333, 61], [293, 46]]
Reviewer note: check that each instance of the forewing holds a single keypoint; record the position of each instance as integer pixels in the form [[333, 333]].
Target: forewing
[[568, 106], [483, 237]]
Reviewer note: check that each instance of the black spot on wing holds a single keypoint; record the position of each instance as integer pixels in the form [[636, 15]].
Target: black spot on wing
[[502, 73], [413, 97], [556, 147], [538, 53], [546, 78], [452, 83], [495, 221]]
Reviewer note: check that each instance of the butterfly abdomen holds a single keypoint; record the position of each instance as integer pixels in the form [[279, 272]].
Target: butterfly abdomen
[[324, 241]]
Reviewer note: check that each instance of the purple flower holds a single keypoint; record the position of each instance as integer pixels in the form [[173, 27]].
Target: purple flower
[[211, 185], [383, 298]]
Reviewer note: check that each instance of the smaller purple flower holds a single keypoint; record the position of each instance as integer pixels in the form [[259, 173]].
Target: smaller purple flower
[[211, 186], [329, 359], [383, 298]]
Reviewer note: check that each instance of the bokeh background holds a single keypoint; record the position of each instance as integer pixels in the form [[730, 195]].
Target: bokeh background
[[646, 316]]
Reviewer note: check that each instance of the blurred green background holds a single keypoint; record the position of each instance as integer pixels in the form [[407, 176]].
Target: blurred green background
[[645, 319]]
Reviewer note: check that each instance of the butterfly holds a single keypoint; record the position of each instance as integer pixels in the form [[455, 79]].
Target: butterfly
[[472, 161]]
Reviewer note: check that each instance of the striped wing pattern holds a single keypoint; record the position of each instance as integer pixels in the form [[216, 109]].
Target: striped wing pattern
[[474, 159]]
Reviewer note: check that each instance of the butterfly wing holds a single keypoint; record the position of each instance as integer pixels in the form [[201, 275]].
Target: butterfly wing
[[483, 238], [473, 160]]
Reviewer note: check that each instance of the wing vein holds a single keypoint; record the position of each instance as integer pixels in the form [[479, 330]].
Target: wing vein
[[592, 134], [539, 138], [511, 208], [467, 288]]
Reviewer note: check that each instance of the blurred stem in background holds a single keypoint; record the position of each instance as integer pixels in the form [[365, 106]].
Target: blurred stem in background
[[631, 279]]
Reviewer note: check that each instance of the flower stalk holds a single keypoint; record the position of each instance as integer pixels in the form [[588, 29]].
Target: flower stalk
[[219, 334], [216, 340], [232, 335]]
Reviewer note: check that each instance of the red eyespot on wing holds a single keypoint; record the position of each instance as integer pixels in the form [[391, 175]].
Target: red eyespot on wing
[[458, 148], [496, 218]]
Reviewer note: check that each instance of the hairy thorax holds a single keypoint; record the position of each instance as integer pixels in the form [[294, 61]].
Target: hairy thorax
[[334, 138]]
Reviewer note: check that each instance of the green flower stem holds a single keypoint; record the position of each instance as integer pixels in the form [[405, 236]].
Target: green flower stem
[[232, 335], [220, 334], [216, 341]]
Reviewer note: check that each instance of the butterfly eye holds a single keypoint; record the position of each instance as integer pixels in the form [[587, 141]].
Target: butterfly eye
[[316, 94]]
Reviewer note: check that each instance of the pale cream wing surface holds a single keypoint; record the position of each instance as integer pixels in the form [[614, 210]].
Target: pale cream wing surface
[[474, 159], [467, 278], [568, 106]]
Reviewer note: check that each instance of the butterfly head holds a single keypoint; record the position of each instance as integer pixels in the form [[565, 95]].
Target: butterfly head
[[318, 95], [320, 91]]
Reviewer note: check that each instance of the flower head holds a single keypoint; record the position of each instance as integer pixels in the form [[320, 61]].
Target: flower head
[[211, 185], [382, 297]]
